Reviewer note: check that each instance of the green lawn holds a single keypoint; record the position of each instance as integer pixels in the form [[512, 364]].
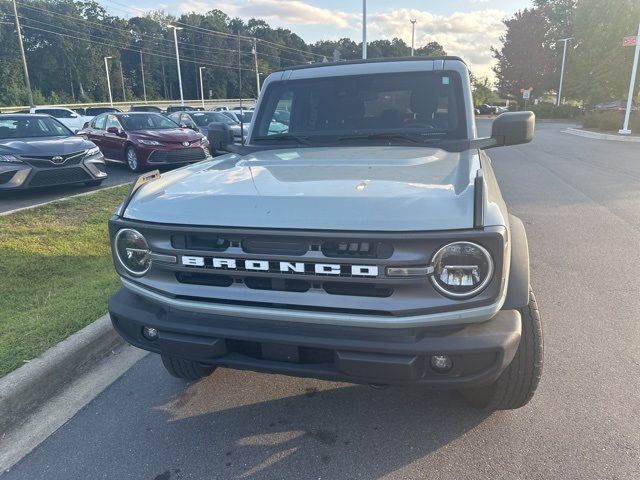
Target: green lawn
[[56, 273]]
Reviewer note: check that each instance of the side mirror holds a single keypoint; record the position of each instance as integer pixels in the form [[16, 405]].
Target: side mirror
[[74, 115], [513, 128], [86, 125], [113, 130], [220, 137]]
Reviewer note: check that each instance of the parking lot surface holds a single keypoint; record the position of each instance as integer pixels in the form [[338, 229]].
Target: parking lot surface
[[118, 174], [579, 199]]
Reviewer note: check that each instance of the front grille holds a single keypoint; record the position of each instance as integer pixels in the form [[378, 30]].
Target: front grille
[[6, 177], [45, 161], [57, 177], [177, 156]]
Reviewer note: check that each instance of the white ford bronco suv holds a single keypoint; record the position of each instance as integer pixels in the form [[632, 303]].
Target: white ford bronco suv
[[365, 241]]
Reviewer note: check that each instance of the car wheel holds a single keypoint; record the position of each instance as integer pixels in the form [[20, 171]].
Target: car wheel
[[132, 159], [517, 384], [93, 183], [186, 369]]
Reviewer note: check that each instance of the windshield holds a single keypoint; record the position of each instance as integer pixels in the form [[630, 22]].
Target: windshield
[[245, 116], [424, 104], [205, 118], [31, 127], [146, 121]]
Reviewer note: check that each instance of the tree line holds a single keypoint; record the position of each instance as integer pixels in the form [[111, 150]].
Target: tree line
[[597, 66], [66, 42]]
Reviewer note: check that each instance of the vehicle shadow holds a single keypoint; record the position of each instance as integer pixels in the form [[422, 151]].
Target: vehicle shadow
[[298, 428]]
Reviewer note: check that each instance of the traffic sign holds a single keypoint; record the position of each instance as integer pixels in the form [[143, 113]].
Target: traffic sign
[[526, 94], [630, 41]]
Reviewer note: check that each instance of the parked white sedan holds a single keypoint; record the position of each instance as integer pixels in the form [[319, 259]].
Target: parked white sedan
[[70, 119]]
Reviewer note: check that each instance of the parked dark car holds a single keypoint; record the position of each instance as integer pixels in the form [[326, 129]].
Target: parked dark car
[[142, 139], [145, 108], [200, 121], [179, 108], [39, 151], [485, 109], [93, 111]]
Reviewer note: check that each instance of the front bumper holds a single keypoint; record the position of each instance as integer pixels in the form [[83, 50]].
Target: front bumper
[[480, 351], [172, 155], [14, 176]]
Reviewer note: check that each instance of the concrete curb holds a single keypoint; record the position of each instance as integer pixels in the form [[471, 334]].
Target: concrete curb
[[29, 387], [83, 194], [602, 136]]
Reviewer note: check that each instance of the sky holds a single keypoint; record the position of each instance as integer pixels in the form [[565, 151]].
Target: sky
[[467, 28]]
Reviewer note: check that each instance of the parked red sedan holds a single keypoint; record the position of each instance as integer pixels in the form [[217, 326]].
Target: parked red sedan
[[142, 139]]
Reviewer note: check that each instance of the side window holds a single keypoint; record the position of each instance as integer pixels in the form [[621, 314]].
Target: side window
[[99, 122], [112, 121], [175, 117], [186, 120], [56, 112]]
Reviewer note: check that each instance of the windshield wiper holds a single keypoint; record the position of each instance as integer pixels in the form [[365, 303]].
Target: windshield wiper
[[395, 136], [285, 136]]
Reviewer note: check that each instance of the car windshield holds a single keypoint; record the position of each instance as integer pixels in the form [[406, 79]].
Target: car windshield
[[424, 105], [246, 117], [146, 121], [205, 118], [99, 110], [31, 127]]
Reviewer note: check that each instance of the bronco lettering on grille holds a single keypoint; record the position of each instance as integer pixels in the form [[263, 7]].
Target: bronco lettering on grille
[[280, 267]]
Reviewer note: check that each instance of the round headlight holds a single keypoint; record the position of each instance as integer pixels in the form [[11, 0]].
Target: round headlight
[[461, 269], [132, 251]]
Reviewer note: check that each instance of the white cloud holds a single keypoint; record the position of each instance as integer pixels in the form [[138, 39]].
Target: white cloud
[[468, 35]]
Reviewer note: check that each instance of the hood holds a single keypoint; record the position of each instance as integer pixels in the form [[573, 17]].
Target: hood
[[168, 135], [44, 145], [349, 188]]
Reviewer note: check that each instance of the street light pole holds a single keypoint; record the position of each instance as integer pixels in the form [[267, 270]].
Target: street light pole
[[144, 87], [106, 69], [124, 97], [564, 56], [634, 70], [364, 29], [255, 60], [27, 82], [413, 36], [175, 40], [201, 85]]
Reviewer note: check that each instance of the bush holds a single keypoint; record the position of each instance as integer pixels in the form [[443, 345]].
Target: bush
[[611, 121], [549, 110]]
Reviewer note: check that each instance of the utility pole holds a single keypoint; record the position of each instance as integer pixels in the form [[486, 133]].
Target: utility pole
[[175, 40], [255, 61], [124, 96], [364, 29], [564, 56], [413, 36], [106, 69], [201, 85], [27, 82], [634, 70], [144, 87]]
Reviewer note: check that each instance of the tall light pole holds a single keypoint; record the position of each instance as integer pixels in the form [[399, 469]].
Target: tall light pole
[[144, 87], [106, 69], [564, 56], [124, 96], [255, 61], [27, 82], [201, 85], [364, 29], [634, 70], [175, 40], [413, 36]]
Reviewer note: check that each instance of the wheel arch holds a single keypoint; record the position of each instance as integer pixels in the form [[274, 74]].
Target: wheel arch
[[519, 275]]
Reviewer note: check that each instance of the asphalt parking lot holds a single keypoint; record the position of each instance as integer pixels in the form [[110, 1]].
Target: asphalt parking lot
[[118, 174], [579, 199]]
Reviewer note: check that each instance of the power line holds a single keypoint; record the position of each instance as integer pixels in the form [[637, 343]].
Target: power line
[[148, 52]]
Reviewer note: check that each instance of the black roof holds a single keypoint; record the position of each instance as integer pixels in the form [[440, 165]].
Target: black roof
[[370, 60]]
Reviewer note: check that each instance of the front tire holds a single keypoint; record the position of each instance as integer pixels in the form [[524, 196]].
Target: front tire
[[132, 159], [517, 384], [186, 369]]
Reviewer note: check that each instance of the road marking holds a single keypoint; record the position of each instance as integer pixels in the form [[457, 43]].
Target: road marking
[[91, 192]]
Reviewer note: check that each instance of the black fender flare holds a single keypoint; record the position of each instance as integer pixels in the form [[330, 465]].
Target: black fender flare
[[519, 276]]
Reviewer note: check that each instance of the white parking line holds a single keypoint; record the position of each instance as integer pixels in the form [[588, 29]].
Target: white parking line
[[29, 207]]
